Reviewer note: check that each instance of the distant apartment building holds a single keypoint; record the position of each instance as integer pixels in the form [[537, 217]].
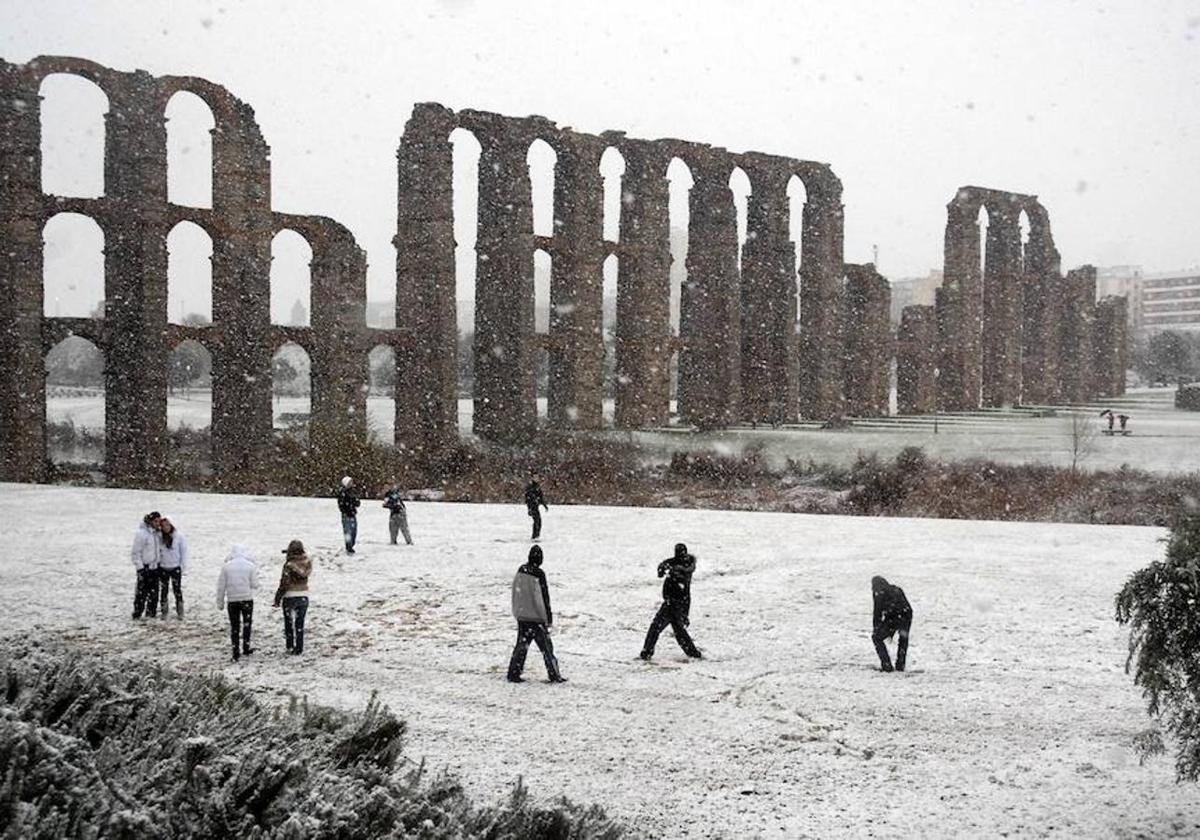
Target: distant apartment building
[[1168, 300], [914, 291]]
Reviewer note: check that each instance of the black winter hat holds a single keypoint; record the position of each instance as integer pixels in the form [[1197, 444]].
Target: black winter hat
[[680, 550], [535, 555]]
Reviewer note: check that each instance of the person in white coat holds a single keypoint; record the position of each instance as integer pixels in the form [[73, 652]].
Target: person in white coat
[[235, 593], [172, 563], [145, 560]]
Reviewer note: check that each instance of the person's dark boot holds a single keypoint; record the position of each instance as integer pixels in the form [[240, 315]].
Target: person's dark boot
[[696, 655], [886, 667], [645, 655], [558, 678], [515, 679]]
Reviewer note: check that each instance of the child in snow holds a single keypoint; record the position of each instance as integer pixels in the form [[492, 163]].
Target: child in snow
[[892, 614], [172, 563], [531, 609], [235, 592], [292, 595], [145, 560], [676, 572]]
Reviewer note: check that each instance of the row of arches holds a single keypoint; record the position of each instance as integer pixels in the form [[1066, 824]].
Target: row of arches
[[73, 272], [541, 160], [73, 136], [75, 395]]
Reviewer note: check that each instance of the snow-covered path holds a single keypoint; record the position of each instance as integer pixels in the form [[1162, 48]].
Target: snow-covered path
[[1016, 716]]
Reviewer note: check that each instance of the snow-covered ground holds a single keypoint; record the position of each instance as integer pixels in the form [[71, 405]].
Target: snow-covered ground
[[1163, 440], [1016, 717]]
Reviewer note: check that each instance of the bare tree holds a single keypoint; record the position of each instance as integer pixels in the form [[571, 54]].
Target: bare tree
[[1082, 435]]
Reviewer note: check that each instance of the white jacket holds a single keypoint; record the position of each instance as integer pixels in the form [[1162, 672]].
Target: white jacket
[[176, 555], [238, 578], [145, 548]]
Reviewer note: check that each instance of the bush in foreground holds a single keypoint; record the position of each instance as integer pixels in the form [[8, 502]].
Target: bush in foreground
[[119, 749], [1161, 605]]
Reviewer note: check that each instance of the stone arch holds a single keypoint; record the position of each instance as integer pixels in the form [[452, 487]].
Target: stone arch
[[189, 275], [291, 278], [612, 168], [541, 159], [797, 197], [381, 393], [73, 113], [611, 273], [190, 126], [466, 152], [76, 402], [679, 176], [291, 386], [741, 188], [73, 270]]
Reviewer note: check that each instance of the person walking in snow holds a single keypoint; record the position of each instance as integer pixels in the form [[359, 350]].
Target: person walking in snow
[[393, 500], [676, 572], [292, 595], [235, 594], [892, 614], [531, 609], [533, 500], [145, 555], [172, 563], [348, 502]]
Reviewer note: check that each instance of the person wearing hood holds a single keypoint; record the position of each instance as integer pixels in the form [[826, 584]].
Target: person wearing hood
[[235, 593], [348, 502], [531, 609], [172, 563], [292, 595], [676, 572], [892, 614], [145, 556]]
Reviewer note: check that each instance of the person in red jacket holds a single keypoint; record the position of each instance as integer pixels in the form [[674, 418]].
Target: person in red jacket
[[531, 609]]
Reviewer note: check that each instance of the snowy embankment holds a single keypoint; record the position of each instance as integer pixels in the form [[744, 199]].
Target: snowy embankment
[[1016, 716]]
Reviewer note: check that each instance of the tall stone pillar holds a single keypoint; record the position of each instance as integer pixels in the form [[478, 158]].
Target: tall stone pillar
[[916, 361], [710, 301], [426, 309], [867, 334], [339, 361], [643, 289], [1109, 346], [820, 375], [576, 392], [22, 367], [505, 383], [241, 415], [135, 259], [1003, 313], [1076, 383], [1042, 302], [960, 311], [768, 294]]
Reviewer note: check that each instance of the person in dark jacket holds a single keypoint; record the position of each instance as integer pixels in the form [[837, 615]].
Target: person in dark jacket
[[531, 609], [892, 614], [393, 500], [676, 572], [533, 500], [347, 501], [292, 595]]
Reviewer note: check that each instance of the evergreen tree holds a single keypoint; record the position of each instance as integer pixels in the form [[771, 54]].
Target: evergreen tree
[[1161, 605]]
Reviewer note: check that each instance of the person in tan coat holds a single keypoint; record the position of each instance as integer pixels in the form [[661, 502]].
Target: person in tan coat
[[292, 595]]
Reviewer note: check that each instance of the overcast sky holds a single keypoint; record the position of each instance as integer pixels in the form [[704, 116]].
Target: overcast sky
[[1093, 106]]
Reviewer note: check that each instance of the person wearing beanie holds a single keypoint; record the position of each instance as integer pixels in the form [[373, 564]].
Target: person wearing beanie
[[145, 561], [676, 607], [292, 595], [172, 563], [892, 614], [534, 499], [531, 609], [393, 500], [348, 502]]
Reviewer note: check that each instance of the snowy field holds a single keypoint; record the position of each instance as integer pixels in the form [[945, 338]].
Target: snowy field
[[1163, 440], [1016, 718]]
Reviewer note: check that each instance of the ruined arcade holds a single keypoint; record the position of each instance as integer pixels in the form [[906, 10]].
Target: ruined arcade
[[760, 338]]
